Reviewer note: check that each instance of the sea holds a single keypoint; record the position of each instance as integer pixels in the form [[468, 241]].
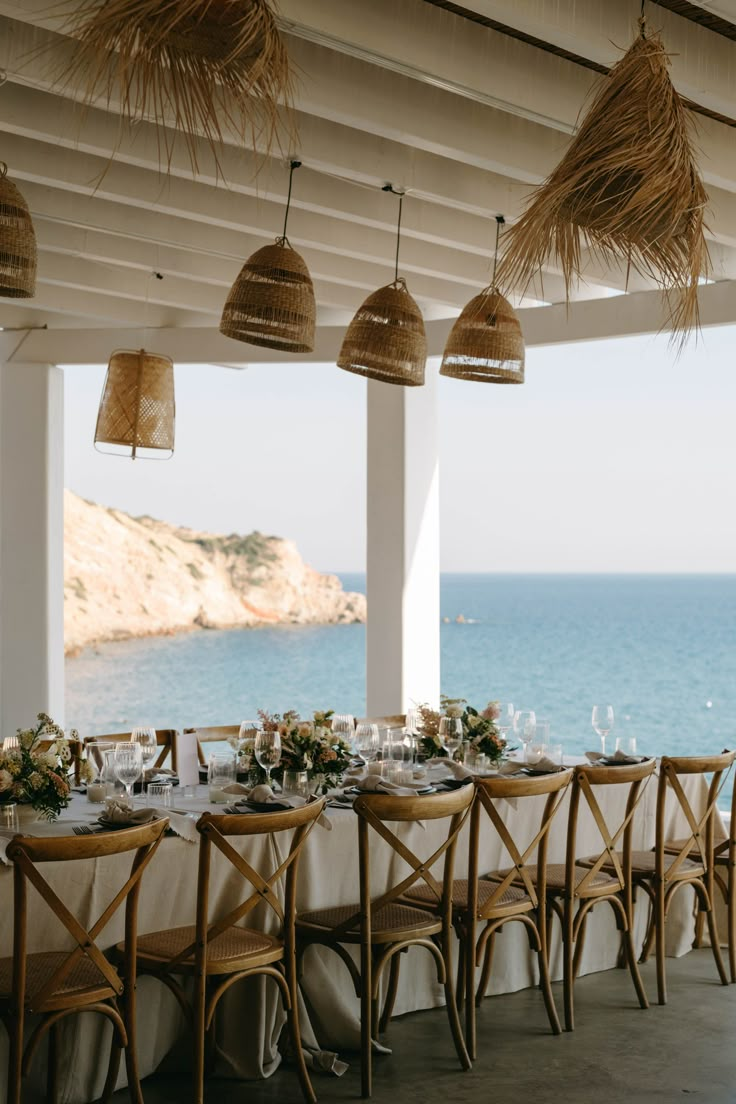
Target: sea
[[660, 648]]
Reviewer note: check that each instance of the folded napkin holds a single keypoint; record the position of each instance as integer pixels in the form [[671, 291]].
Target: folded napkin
[[374, 783], [543, 766], [617, 757], [264, 795], [119, 814], [449, 766]]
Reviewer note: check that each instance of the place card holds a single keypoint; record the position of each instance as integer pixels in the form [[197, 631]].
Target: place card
[[187, 759]]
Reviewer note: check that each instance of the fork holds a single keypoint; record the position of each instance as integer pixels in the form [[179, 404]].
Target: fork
[[82, 830]]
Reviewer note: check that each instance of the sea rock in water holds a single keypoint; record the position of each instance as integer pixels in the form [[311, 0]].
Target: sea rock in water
[[126, 576]]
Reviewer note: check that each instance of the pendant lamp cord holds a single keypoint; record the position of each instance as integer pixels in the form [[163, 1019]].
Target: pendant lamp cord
[[394, 191], [500, 221], [292, 165]]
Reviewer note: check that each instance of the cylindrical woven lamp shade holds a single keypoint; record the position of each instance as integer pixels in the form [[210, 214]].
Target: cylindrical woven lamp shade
[[272, 302], [17, 243], [486, 342], [386, 339], [137, 409]]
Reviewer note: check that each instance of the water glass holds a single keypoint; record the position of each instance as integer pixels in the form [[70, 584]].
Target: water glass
[[525, 727], [9, 817], [108, 774], [413, 721], [602, 720], [220, 773], [505, 717], [296, 784], [626, 744], [128, 757], [451, 734], [553, 752], [159, 794]]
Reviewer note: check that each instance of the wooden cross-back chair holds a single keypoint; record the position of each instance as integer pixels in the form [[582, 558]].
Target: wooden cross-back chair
[[577, 886], [688, 861], [214, 734], [165, 738], [219, 952], [56, 984], [385, 925], [503, 897]]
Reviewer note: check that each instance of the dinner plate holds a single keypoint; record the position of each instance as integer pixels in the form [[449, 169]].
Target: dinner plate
[[533, 771], [632, 761], [387, 793]]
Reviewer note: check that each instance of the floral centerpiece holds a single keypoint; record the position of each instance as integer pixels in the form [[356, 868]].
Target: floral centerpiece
[[305, 746], [479, 728], [31, 774]]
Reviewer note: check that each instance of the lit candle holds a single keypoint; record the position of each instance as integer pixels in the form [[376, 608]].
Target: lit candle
[[217, 795], [97, 792]]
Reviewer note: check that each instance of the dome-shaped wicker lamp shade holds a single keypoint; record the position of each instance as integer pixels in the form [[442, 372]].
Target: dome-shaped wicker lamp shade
[[486, 343], [17, 242], [137, 409], [272, 302], [386, 339]]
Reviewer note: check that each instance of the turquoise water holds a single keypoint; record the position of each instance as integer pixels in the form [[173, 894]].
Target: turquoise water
[[659, 648]]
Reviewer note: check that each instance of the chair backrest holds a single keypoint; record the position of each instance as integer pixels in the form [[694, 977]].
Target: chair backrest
[[213, 734], [490, 790], [615, 831], [26, 853], [165, 738], [700, 823], [375, 811], [216, 831], [75, 748]]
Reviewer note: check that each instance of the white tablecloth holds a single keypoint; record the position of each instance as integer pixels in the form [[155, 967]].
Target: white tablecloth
[[249, 1024]]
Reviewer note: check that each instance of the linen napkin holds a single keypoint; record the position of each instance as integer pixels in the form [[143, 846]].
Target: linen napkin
[[543, 766], [374, 783], [617, 757], [264, 795], [118, 813], [448, 767]]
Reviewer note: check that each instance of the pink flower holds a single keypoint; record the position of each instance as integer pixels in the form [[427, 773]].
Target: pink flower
[[491, 711]]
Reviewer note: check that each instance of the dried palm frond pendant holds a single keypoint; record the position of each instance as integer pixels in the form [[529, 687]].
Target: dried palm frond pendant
[[628, 187], [194, 66]]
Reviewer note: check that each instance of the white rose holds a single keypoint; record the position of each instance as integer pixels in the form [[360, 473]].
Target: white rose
[[454, 711], [26, 738], [6, 780]]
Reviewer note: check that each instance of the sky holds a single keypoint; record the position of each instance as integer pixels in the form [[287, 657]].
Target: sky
[[615, 456]]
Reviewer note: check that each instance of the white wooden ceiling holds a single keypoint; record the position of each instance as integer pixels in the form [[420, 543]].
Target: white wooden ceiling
[[456, 106]]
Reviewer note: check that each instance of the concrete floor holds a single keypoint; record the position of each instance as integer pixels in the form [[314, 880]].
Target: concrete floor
[[618, 1054]]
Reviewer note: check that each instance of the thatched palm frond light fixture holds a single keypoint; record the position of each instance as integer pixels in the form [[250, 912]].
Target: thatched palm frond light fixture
[[272, 302], [198, 67], [386, 339], [137, 409], [486, 343], [18, 252], [628, 187]]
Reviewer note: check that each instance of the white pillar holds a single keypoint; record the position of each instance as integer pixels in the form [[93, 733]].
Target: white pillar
[[31, 544], [403, 554]]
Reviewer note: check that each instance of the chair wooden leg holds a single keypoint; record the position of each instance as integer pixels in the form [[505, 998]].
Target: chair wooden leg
[[579, 947], [630, 956], [366, 1019], [715, 944], [568, 979], [451, 1004], [15, 1034], [699, 925], [199, 1011], [732, 926], [659, 933], [393, 988], [113, 1068], [648, 944], [485, 974], [292, 1018], [52, 1074], [460, 985], [466, 955], [131, 1050], [545, 986]]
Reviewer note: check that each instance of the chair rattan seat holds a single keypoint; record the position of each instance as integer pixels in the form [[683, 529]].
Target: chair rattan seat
[[674, 847], [231, 945], [388, 923], [643, 862], [556, 877], [513, 896], [83, 978]]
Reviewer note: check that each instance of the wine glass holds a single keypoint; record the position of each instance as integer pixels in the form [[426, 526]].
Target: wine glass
[[343, 727], [148, 741], [413, 721], [602, 720], [505, 718], [128, 764], [525, 727], [451, 734], [366, 741], [268, 751]]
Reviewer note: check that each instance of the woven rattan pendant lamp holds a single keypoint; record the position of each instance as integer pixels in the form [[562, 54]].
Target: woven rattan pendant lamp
[[386, 339], [272, 301], [137, 408], [486, 343], [17, 242]]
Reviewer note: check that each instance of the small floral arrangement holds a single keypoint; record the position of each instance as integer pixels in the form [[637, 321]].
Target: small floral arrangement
[[35, 776], [305, 746], [479, 728]]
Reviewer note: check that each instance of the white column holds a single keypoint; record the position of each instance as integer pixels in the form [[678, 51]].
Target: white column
[[31, 544], [403, 553]]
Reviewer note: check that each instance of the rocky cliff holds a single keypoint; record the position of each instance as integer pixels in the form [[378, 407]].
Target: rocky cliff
[[126, 576]]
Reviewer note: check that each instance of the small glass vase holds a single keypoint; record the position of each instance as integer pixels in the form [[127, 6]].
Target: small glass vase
[[296, 783]]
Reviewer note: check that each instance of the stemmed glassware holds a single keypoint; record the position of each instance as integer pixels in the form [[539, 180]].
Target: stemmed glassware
[[451, 734], [343, 726], [367, 741], [525, 727], [128, 764], [602, 720], [505, 718], [268, 751], [148, 741]]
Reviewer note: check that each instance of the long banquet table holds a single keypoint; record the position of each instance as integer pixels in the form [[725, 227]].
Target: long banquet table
[[250, 1019]]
